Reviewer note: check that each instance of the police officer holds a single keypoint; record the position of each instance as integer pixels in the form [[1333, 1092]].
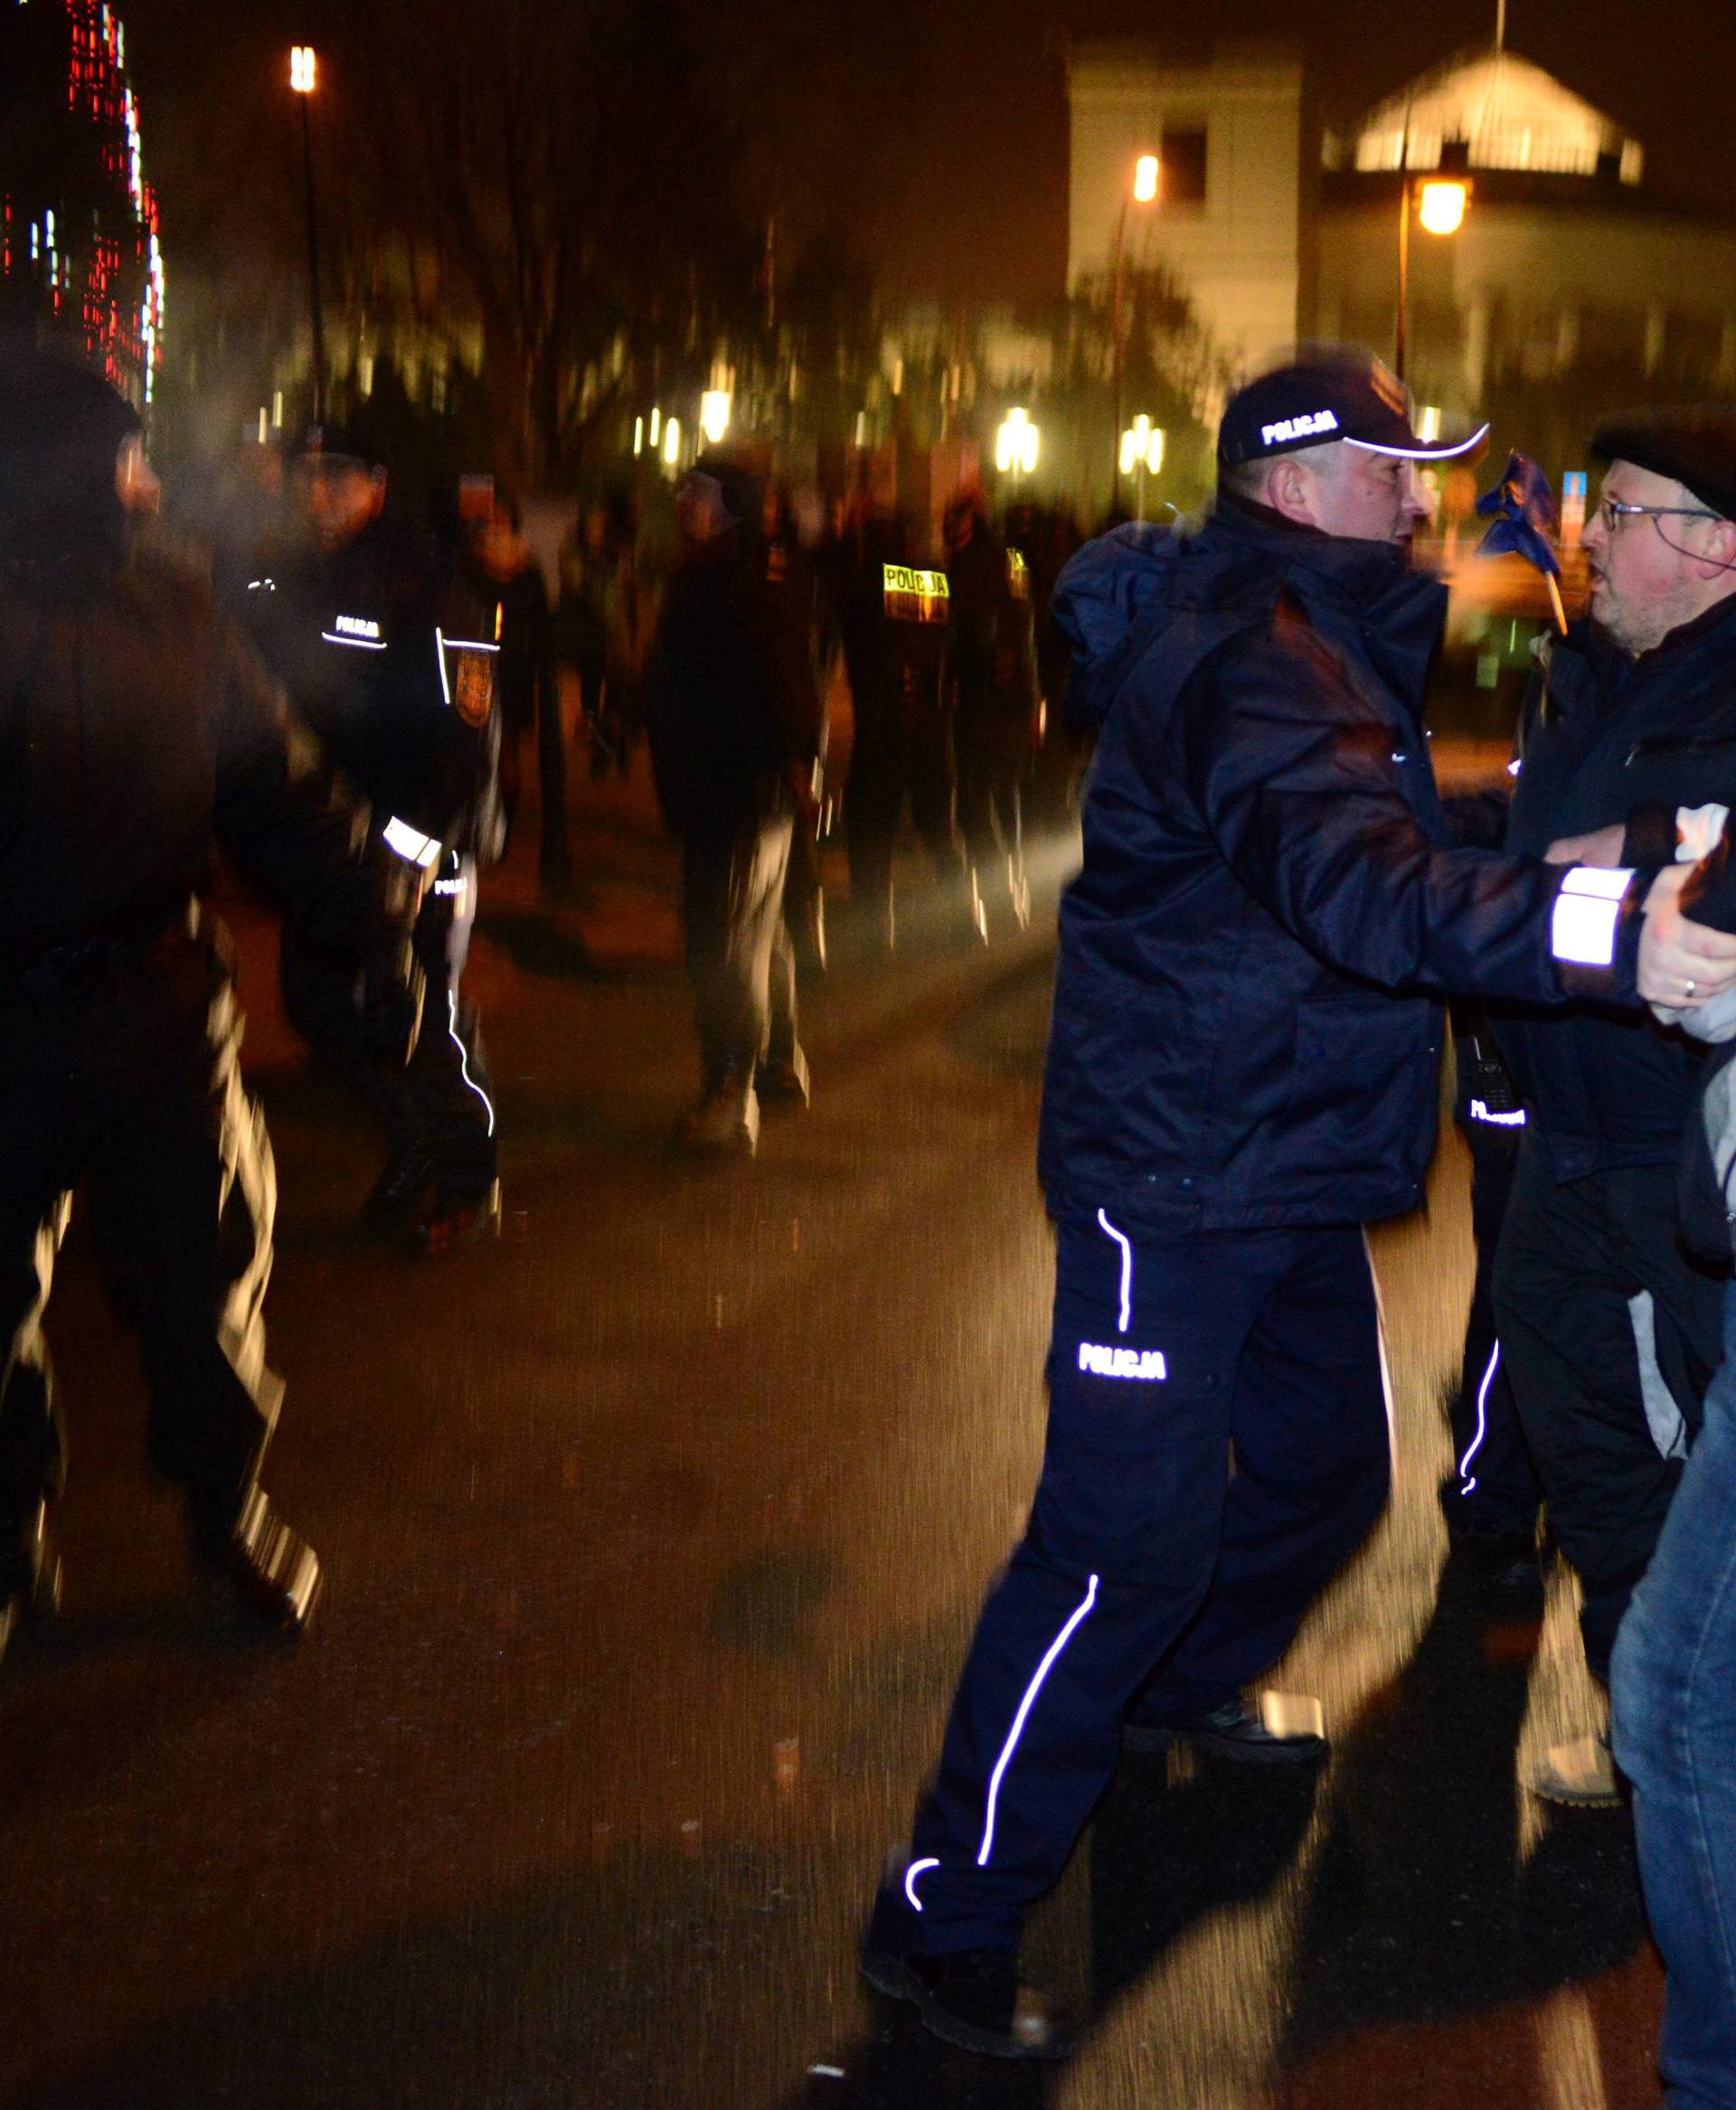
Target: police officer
[[893, 618], [1242, 1071], [1632, 719], [992, 674], [134, 728], [389, 655]]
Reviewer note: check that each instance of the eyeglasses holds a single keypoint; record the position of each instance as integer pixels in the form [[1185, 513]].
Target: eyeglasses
[[1612, 512]]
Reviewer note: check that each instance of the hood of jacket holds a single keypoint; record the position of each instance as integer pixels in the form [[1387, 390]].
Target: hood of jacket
[[1239, 556]]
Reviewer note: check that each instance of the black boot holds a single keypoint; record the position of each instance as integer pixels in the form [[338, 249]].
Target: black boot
[[276, 1572], [974, 1998]]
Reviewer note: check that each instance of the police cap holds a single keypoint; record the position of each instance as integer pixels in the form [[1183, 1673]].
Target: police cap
[[1328, 392]]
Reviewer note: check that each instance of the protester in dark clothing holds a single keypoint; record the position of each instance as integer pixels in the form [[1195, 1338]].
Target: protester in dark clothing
[[390, 656], [1632, 717], [136, 730], [893, 620], [1242, 1071], [993, 674], [734, 726], [511, 580]]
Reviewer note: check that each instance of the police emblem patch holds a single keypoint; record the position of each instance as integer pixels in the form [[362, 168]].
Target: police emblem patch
[[473, 687]]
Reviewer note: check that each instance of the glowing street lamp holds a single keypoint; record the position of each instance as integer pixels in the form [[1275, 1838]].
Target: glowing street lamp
[[1016, 445], [672, 441], [1146, 173], [714, 414], [1442, 207], [303, 75]]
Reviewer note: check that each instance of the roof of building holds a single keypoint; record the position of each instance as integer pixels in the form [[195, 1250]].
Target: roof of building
[[1508, 112]]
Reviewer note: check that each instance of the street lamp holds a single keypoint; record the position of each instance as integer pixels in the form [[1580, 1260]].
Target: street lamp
[[1141, 455], [714, 414], [1016, 445], [303, 74], [1440, 210], [672, 441], [1146, 174]]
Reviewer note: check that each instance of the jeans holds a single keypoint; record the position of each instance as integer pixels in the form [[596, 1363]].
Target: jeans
[[1674, 1694]]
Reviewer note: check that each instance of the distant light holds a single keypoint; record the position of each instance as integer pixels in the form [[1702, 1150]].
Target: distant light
[[264, 428], [657, 425], [672, 441], [302, 67], [1428, 424], [1142, 447], [638, 435], [714, 414], [1145, 178], [1016, 444], [1442, 210], [277, 410]]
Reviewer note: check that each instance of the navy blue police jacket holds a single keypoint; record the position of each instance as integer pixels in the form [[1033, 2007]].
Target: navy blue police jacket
[[1246, 1022], [1608, 740]]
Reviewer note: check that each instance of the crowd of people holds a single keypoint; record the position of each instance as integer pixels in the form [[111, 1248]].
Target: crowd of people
[[1275, 907]]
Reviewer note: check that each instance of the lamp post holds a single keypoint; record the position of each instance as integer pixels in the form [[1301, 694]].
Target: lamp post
[[1440, 209], [1146, 172], [303, 71]]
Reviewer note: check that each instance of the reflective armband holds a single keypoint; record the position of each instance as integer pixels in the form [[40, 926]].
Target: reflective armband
[[1698, 830], [410, 844], [1588, 910]]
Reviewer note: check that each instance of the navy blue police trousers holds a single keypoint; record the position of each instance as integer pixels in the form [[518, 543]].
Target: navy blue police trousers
[[1218, 1443]]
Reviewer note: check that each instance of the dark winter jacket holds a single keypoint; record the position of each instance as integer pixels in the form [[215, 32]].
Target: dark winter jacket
[[135, 730], [730, 700], [1608, 740], [390, 656], [1247, 1020]]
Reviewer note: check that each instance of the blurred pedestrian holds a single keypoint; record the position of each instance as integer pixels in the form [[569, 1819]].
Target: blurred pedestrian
[[1241, 1073], [510, 581], [734, 727], [389, 655], [993, 676], [135, 730], [892, 618]]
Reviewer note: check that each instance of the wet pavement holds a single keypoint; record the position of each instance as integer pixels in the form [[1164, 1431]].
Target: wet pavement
[[654, 1534]]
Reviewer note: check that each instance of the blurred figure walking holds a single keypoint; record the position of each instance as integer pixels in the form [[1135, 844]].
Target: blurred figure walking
[[136, 730], [733, 718], [892, 619], [391, 657], [510, 581], [992, 674]]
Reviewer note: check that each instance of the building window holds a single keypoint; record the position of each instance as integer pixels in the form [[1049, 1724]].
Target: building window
[[1183, 158]]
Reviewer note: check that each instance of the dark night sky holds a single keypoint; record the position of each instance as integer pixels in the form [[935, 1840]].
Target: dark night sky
[[936, 135]]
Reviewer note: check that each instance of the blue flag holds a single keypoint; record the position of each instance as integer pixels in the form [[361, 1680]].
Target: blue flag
[[1523, 515]]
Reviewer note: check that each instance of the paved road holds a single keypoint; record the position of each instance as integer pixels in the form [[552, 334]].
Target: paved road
[[654, 1535]]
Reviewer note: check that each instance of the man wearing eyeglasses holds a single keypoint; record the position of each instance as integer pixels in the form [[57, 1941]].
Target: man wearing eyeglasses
[[1631, 722]]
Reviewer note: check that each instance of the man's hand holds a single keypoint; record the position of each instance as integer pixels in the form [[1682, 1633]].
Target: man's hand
[[1603, 847], [1680, 963]]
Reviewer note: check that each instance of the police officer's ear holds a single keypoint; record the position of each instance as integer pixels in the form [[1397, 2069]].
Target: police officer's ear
[[1290, 490]]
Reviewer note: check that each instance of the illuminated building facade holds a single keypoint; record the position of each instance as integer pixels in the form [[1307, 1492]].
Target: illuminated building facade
[[1570, 287], [80, 254]]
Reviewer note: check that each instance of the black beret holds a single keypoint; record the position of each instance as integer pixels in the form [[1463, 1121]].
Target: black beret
[[1693, 446]]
